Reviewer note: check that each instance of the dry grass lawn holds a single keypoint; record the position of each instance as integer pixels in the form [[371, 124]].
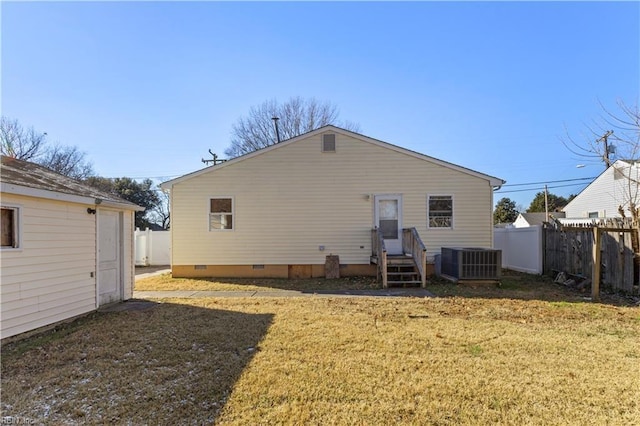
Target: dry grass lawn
[[322, 360], [165, 282], [527, 352]]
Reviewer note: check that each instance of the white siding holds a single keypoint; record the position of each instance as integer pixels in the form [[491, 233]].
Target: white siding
[[521, 222], [49, 278], [605, 194], [290, 200], [129, 271]]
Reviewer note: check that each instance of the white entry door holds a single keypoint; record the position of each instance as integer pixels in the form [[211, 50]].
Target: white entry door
[[109, 257], [388, 219]]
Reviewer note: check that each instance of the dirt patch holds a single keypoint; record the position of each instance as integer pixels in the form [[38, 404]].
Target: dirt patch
[[129, 305]]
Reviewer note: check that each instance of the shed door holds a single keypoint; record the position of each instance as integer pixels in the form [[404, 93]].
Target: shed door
[[110, 282], [388, 219]]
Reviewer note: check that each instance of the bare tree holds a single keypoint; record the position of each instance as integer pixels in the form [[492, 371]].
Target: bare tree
[[67, 160], [30, 145], [160, 214], [294, 117], [610, 136], [20, 143]]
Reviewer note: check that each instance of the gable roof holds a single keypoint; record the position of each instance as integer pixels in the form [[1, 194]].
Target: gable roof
[[24, 178], [494, 181], [537, 218], [609, 171]]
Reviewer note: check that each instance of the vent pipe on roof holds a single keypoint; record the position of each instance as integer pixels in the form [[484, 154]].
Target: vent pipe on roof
[[275, 122]]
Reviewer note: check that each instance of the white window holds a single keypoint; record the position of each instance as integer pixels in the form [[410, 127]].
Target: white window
[[593, 214], [9, 222], [221, 213], [440, 211]]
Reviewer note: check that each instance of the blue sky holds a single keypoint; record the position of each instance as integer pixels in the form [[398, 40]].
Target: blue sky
[[146, 89]]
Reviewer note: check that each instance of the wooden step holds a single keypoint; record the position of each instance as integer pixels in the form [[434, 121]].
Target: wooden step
[[399, 261], [404, 282]]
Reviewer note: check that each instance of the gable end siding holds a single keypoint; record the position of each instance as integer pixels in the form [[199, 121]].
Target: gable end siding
[[604, 195], [290, 201]]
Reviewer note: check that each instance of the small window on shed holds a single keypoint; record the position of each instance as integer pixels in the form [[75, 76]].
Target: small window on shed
[[9, 225], [329, 143]]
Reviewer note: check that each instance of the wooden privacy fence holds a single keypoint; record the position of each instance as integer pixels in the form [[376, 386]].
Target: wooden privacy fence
[[601, 251]]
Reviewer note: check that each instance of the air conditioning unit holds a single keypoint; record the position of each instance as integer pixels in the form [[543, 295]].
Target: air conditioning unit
[[471, 263]]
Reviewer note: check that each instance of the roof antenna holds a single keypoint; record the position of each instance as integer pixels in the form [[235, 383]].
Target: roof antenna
[[275, 122], [215, 160]]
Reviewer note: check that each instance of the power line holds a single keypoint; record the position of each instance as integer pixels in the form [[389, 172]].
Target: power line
[[537, 188], [549, 181]]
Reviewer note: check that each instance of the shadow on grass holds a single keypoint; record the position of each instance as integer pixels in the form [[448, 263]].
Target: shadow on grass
[[521, 286], [171, 363]]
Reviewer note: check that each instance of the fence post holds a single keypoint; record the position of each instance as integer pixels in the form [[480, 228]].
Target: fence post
[[595, 275], [149, 246]]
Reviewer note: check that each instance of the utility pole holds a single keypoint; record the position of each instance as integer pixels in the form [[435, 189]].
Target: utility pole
[[603, 139], [546, 203], [215, 160]]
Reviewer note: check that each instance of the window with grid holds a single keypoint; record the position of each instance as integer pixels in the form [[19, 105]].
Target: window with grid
[[440, 211], [220, 214]]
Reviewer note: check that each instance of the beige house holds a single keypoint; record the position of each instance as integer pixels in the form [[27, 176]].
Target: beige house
[[66, 248], [282, 210]]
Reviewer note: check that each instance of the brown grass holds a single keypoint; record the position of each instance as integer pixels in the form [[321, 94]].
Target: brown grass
[[319, 360], [514, 285], [165, 282]]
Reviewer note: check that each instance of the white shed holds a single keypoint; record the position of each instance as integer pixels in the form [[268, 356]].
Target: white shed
[[67, 248]]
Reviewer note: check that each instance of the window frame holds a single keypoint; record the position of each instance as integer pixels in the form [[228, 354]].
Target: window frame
[[233, 214], [429, 196], [17, 227]]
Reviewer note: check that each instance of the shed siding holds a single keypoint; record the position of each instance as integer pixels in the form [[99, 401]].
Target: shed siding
[[605, 194], [129, 250], [48, 279], [289, 201]]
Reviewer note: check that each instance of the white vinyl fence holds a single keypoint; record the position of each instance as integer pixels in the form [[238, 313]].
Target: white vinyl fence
[[521, 248], [152, 247]]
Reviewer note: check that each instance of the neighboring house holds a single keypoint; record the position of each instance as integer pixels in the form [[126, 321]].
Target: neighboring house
[[280, 211], [66, 248], [615, 187], [525, 220]]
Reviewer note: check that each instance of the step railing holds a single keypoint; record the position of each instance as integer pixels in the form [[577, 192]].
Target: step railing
[[379, 251], [413, 245]]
